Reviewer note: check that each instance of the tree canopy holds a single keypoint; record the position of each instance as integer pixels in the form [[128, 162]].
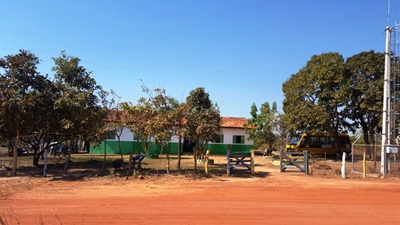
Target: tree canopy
[[203, 120], [330, 94], [37, 110]]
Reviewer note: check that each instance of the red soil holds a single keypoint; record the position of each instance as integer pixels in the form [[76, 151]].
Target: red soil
[[287, 198]]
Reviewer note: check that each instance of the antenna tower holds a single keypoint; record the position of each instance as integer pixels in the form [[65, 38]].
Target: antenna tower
[[391, 98]]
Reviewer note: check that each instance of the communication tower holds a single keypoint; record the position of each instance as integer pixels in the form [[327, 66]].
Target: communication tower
[[391, 98]]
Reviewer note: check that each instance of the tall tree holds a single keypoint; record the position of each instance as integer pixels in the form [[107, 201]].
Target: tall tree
[[203, 121], [137, 120], [161, 125], [314, 96], [266, 123], [81, 100], [179, 125], [365, 91], [261, 127], [19, 93], [116, 119], [282, 130]]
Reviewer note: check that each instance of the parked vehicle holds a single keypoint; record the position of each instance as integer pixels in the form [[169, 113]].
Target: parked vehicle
[[320, 144]]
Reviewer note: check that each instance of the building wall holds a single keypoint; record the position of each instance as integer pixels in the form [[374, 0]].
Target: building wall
[[127, 144], [127, 135], [230, 132]]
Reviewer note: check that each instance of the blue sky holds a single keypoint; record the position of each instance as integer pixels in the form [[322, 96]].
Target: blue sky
[[240, 51]]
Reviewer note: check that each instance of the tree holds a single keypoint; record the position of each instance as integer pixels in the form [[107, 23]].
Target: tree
[[203, 121], [263, 127], [116, 120], [314, 96], [81, 100], [269, 127], [161, 124], [364, 92], [45, 126], [179, 125], [137, 118], [282, 130], [20, 93]]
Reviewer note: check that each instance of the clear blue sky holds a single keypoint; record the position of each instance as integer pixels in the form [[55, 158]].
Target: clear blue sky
[[240, 51]]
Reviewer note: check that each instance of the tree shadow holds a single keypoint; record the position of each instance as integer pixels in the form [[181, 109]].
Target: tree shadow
[[80, 169]]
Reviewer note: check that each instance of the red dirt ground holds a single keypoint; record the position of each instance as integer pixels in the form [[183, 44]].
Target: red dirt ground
[[287, 198]]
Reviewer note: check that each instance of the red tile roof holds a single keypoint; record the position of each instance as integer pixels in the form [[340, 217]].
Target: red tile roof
[[226, 122], [233, 122]]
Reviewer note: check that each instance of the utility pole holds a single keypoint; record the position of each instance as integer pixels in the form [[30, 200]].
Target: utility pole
[[386, 130]]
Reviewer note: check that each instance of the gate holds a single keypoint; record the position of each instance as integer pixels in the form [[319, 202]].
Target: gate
[[292, 160]]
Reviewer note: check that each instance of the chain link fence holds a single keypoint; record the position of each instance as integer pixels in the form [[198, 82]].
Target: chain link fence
[[373, 160]]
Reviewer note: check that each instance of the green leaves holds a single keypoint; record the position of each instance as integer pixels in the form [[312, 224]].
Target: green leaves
[[203, 119], [22, 93], [331, 94], [80, 98], [364, 91], [262, 126]]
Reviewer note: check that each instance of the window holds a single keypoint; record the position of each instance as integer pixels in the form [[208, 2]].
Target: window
[[324, 140], [313, 139], [238, 139]]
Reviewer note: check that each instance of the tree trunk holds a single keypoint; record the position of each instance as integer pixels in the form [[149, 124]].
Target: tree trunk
[[366, 139], [167, 154], [179, 153], [120, 151], [160, 157], [371, 134], [103, 168], [130, 170], [15, 153], [36, 157], [45, 162], [119, 148], [69, 157], [195, 158]]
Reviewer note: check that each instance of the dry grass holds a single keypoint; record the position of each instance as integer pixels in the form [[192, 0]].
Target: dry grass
[[83, 166]]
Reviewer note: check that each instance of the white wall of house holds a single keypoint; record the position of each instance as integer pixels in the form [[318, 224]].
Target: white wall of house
[[175, 139], [126, 135], [230, 132]]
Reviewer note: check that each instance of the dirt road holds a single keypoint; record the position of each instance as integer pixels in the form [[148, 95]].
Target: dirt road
[[289, 198]]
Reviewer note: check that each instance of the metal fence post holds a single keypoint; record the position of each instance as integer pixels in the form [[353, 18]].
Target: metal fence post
[[306, 164]]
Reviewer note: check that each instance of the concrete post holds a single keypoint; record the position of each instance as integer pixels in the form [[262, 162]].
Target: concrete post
[[344, 165]]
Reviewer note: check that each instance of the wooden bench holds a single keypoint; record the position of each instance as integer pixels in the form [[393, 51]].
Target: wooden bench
[[234, 160]]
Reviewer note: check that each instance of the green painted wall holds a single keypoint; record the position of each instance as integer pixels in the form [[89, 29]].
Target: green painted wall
[[220, 149], [127, 146], [112, 147]]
